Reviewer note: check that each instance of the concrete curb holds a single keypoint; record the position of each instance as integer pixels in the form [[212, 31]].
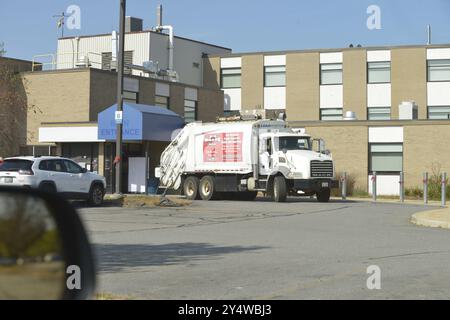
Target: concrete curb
[[434, 219]]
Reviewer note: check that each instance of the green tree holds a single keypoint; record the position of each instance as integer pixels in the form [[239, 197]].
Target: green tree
[[2, 49]]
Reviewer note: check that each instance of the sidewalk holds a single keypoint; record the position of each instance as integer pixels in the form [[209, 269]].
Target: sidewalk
[[438, 218]]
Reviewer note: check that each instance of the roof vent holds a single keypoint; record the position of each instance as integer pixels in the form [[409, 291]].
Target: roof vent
[[350, 115], [133, 24]]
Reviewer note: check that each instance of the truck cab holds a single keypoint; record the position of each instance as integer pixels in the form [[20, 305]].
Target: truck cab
[[290, 155]]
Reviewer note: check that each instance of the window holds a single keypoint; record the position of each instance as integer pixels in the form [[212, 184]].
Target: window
[[15, 165], [438, 70], [230, 78], [190, 111], [331, 114], [379, 72], [386, 157], [275, 76], [294, 143], [130, 97], [162, 101], [439, 113], [56, 165], [379, 113], [72, 167], [331, 73]]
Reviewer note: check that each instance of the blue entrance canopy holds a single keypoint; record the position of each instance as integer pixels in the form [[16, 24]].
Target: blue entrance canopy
[[140, 122]]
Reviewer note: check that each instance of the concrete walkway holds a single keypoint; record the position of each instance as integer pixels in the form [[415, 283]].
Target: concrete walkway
[[439, 218]]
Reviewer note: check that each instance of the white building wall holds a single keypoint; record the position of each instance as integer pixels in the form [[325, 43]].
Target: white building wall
[[379, 95], [277, 60], [386, 135], [378, 55], [438, 53], [331, 57], [387, 185], [275, 98], [232, 99], [146, 46], [68, 134], [438, 93], [332, 96]]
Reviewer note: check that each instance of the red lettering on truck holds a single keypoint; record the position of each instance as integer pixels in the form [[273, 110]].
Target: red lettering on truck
[[222, 147]]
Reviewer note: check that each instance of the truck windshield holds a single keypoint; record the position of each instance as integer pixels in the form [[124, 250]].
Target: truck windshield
[[294, 143]]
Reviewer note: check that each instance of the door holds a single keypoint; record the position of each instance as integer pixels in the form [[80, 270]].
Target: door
[[58, 174], [77, 180], [265, 156]]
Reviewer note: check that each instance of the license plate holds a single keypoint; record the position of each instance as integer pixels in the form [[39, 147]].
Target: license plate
[[325, 185], [8, 180]]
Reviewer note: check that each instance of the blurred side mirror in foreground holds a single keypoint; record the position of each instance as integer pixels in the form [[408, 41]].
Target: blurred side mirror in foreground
[[44, 250]]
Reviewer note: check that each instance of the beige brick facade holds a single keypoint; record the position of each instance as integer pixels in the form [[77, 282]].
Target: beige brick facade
[[79, 95], [302, 86], [409, 79], [355, 79], [252, 82], [349, 147]]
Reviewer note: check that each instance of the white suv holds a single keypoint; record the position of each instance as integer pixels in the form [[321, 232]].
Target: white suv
[[53, 174]]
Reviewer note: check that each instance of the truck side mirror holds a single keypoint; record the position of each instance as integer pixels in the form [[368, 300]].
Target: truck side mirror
[[321, 146]]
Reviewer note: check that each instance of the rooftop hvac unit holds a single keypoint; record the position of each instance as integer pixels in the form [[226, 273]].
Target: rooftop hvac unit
[[83, 62], [407, 110]]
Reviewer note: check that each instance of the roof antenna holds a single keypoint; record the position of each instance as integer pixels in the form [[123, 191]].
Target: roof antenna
[[61, 22], [428, 35]]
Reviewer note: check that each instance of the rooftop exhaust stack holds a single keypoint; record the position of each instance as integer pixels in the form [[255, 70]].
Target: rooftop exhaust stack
[[170, 72], [159, 15], [428, 34]]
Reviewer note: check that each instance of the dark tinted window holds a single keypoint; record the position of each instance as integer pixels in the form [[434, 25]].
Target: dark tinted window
[[15, 165], [44, 165], [54, 165], [72, 167]]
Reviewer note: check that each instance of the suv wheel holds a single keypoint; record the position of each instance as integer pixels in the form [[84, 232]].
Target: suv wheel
[[96, 195], [47, 187]]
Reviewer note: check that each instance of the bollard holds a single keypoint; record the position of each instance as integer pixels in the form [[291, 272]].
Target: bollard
[[344, 186], [402, 187], [374, 186], [425, 187], [444, 189]]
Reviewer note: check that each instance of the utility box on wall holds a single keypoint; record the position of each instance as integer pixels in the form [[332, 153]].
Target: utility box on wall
[[408, 110]]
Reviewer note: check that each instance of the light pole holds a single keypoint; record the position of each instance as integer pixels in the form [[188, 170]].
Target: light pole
[[120, 67]]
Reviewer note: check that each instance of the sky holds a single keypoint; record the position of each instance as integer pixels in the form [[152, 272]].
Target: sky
[[28, 27]]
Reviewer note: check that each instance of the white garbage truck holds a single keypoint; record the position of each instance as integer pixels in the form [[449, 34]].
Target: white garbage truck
[[238, 159]]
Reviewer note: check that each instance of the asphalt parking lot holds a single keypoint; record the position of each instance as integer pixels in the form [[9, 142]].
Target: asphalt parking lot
[[262, 250]]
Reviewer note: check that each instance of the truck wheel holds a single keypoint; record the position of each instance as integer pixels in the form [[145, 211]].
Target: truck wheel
[[206, 188], [323, 195], [279, 189], [190, 188]]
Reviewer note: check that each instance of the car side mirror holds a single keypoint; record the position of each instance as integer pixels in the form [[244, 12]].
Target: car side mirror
[[83, 170], [44, 251]]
